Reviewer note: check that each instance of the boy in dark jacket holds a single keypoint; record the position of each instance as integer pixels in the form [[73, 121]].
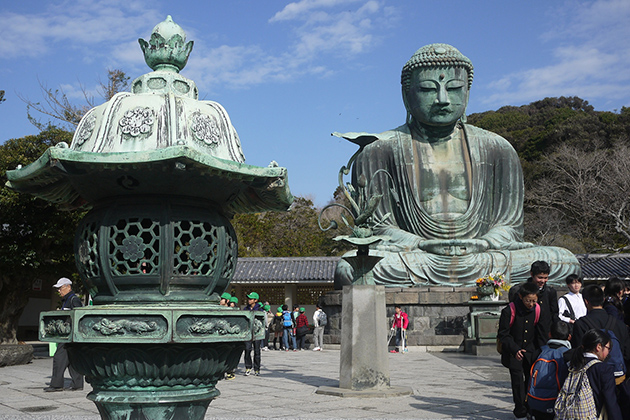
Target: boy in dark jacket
[[520, 338], [597, 317], [547, 295]]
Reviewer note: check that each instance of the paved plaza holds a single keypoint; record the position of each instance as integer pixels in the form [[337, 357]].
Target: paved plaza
[[446, 386]]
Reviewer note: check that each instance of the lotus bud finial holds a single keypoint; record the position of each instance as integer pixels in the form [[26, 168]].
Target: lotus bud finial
[[167, 49]]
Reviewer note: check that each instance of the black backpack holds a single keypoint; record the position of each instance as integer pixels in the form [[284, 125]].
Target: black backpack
[[615, 359]]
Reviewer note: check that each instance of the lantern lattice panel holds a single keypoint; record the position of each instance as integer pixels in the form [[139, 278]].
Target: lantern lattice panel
[[174, 251]]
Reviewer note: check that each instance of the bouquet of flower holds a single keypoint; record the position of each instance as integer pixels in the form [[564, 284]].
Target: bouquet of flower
[[494, 280]]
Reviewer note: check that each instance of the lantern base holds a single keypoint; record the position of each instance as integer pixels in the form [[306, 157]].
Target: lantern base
[[155, 405]]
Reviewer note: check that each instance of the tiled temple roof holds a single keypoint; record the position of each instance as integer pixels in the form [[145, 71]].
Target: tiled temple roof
[[285, 270], [603, 266], [322, 269]]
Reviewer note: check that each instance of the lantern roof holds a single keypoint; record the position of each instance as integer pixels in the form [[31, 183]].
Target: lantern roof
[[157, 139]]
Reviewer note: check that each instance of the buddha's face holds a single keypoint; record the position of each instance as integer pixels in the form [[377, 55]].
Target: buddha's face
[[437, 96]]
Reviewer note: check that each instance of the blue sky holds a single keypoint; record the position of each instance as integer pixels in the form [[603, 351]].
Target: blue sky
[[290, 73]]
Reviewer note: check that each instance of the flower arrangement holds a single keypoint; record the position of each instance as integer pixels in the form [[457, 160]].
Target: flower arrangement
[[494, 281]]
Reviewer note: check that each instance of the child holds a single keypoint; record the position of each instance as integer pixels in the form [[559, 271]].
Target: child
[[547, 295], [401, 322], [225, 299], [571, 306], [301, 329], [521, 332], [613, 293], [548, 372], [268, 327], [287, 329], [252, 305], [599, 376], [277, 329]]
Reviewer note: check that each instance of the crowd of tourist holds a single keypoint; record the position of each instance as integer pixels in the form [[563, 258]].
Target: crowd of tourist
[[567, 356], [285, 330]]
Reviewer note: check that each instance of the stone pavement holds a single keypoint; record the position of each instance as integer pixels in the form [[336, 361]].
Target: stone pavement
[[446, 386]]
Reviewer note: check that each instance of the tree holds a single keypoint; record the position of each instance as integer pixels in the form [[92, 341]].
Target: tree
[[566, 150], [2, 96], [57, 105], [294, 233], [117, 81], [591, 189], [535, 130], [36, 239]]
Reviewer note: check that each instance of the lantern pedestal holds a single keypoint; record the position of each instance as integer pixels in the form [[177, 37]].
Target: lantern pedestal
[[153, 362]]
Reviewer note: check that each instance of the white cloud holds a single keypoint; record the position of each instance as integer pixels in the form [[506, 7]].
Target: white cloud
[[323, 30], [319, 27], [90, 26], [591, 61], [301, 9], [107, 31]]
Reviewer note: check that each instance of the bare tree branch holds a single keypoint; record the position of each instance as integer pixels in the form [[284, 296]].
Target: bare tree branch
[[57, 105], [591, 189]]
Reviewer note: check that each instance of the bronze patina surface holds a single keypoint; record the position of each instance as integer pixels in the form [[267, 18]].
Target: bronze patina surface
[[452, 205], [161, 173]]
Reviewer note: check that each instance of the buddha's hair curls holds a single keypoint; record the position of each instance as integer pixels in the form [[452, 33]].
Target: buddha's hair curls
[[435, 55]]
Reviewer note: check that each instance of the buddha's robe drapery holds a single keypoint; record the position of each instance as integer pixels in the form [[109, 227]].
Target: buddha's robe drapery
[[494, 214]]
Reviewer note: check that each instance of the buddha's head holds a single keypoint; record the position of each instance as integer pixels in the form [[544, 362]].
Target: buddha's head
[[435, 86]]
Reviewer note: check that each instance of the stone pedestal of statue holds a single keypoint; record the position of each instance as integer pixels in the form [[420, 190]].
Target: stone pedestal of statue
[[364, 360]]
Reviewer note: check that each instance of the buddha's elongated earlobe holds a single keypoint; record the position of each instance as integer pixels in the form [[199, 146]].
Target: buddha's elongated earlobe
[[463, 118]]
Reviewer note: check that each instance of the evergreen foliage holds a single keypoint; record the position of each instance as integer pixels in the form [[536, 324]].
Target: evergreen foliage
[[294, 233], [36, 239], [575, 169]]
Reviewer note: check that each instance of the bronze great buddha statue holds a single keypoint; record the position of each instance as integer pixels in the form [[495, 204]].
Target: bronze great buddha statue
[[452, 207]]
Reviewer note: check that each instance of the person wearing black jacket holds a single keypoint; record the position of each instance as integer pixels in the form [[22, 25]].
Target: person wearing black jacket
[[60, 359], [596, 344], [547, 295], [519, 341], [597, 317]]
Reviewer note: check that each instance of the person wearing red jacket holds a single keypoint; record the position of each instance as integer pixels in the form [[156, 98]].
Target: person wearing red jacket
[[301, 329], [401, 322]]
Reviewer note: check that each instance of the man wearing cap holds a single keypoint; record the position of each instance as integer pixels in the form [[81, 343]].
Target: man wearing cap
[[252, 305], [60, 360]]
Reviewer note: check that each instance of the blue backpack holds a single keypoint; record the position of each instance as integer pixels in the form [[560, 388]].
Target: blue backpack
[[287, 321], [546, 378], [615, 359]]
